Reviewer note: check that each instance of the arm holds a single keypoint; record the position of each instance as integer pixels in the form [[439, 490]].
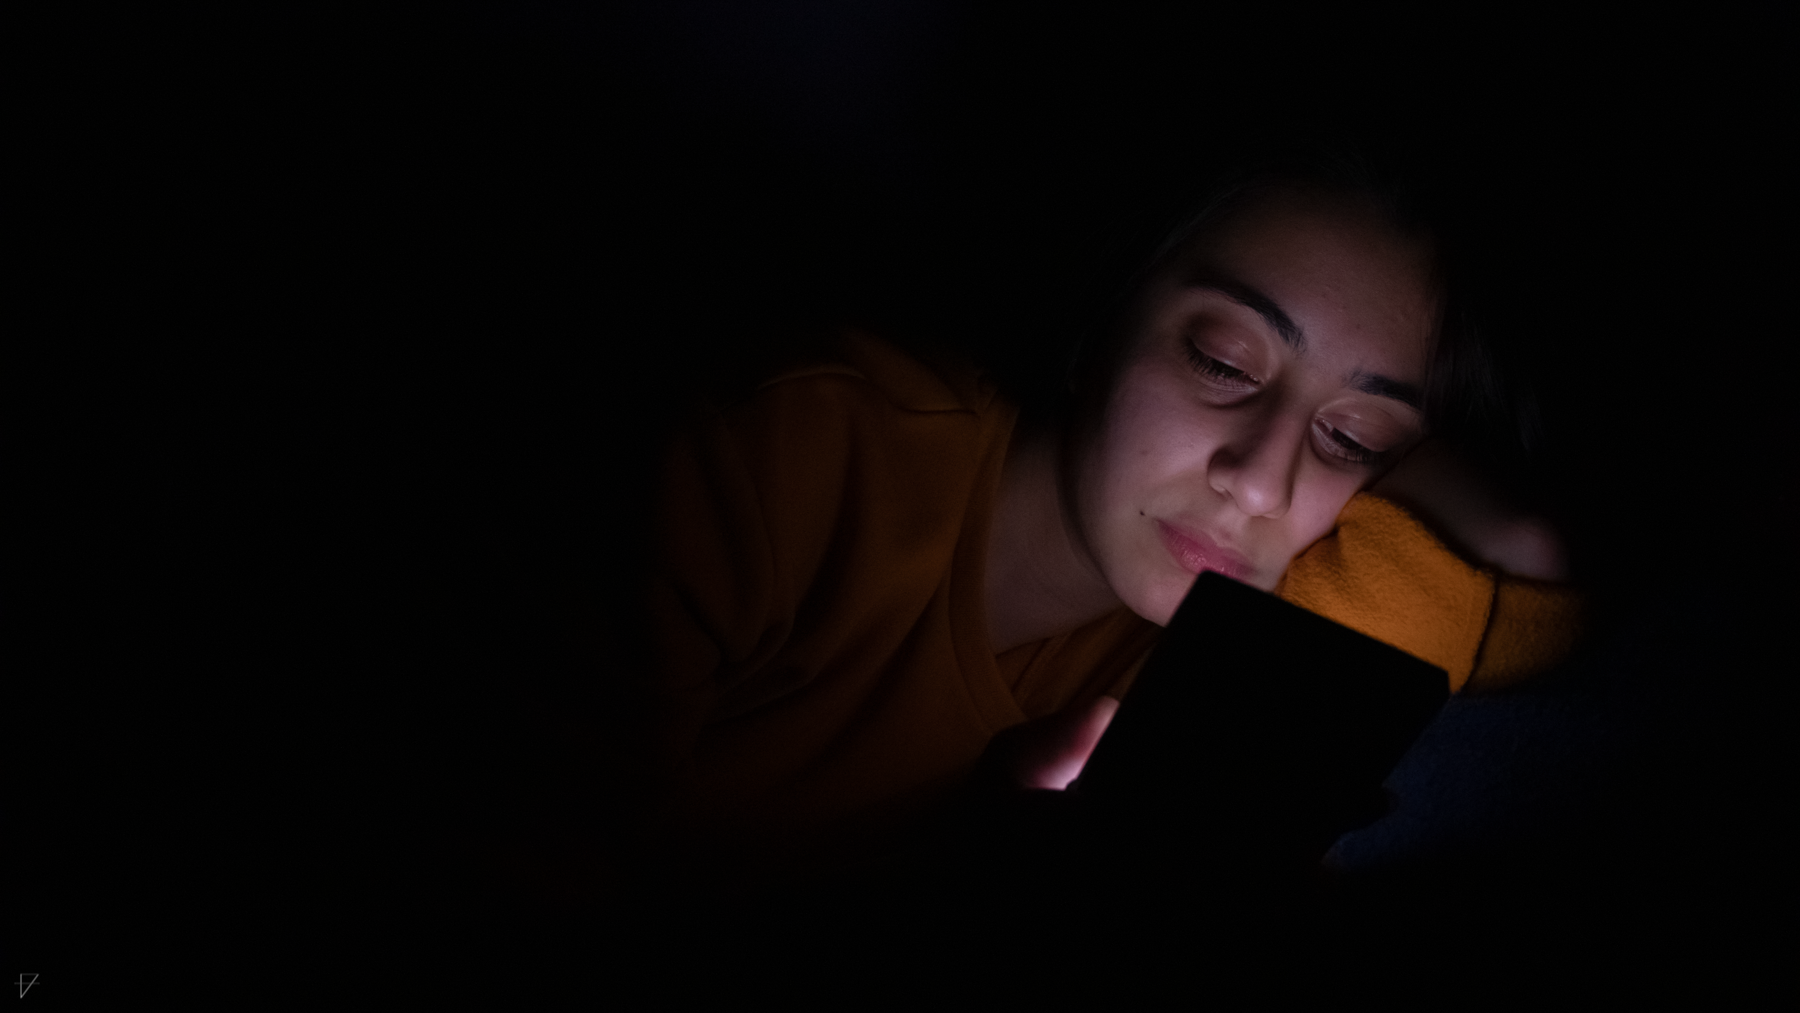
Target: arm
[[1431, 561], [1464, 509]]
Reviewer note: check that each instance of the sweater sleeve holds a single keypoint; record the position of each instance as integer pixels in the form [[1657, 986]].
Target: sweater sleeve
[[1380, 572], [1533, 626]]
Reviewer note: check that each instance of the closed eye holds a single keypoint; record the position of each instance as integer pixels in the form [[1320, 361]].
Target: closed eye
[[1224, 373], [1343, 447]]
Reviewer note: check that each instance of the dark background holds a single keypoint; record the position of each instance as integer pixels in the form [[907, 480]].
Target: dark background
[[362, 332]]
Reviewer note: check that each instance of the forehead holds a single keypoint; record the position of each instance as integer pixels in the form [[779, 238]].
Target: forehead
[[1336, 266]]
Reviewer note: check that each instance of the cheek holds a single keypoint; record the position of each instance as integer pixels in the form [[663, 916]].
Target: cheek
[[1149, 442], [1145, 459], [1317, 503]]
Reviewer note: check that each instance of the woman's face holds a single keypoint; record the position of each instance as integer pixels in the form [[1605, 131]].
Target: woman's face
[[1274, 369]]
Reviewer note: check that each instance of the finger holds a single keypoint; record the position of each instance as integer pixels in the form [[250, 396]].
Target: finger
[[1067, 744]]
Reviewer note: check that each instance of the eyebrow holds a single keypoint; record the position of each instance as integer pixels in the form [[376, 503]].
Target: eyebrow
[[1254, 299], [1381, 386]]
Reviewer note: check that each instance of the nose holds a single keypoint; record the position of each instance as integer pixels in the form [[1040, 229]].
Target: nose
[[1258, 465]]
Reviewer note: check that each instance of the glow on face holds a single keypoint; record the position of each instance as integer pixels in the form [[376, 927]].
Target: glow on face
[[1273, 371]]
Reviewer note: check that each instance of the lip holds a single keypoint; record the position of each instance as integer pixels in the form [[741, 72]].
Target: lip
[[1194, 552]]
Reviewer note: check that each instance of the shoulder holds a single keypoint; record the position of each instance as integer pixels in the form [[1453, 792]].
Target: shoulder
[[834, 487], [855, 404], [932, 379], [896, 440]]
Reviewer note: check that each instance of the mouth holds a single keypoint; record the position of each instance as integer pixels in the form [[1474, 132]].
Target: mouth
[[1194, 552]]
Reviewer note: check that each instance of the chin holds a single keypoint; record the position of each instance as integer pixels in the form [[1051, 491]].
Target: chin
[[1158, 603], [1263, 582]]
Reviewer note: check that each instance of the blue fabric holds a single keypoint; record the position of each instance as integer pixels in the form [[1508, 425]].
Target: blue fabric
[[1656, 750]]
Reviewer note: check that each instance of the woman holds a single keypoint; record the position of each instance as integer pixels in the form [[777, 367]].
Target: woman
[[871, 566]]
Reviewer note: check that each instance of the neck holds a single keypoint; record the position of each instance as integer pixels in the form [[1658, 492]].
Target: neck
[[1041, 580]]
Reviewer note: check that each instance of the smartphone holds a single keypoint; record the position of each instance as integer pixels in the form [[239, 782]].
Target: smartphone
[[1260, 726]]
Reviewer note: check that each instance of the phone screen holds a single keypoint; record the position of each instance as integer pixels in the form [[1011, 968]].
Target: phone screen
[[1258, 721]]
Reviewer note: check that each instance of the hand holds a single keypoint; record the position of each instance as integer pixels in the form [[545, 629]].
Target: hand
[[1465, 510], [1048, 753], [1010, 844]]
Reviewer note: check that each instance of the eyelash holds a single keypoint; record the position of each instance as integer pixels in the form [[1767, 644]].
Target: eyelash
[[1211, 367], [1344, 447], [1337, 444]]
